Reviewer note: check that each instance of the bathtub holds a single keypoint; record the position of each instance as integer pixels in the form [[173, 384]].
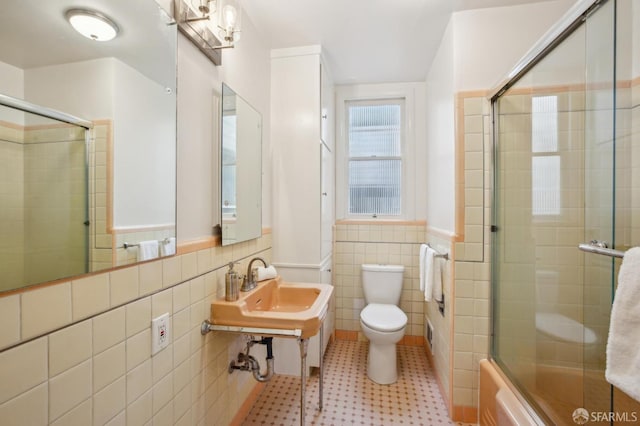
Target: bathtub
[[499, 405]]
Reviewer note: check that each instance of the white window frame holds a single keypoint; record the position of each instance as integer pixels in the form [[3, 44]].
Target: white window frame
[[391, 92]]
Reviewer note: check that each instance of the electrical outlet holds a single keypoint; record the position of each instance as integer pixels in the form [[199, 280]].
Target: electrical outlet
[[160, 333]]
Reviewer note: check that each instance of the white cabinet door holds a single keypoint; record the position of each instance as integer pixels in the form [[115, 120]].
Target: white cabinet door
[[327, 119], [326, 201]]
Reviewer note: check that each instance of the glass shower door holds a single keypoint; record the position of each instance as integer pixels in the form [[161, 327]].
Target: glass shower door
[[554, 189]]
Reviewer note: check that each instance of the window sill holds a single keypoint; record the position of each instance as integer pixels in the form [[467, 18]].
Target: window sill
[[390, 222]]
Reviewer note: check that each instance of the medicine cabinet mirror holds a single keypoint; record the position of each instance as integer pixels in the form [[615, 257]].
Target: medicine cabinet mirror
[[241, 169], [71, 198]]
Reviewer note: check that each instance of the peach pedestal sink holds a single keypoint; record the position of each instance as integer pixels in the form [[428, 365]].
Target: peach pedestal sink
[[276, 304], [277, 308]]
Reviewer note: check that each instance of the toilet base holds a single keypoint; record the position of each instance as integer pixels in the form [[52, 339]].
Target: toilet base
[[382, 365]]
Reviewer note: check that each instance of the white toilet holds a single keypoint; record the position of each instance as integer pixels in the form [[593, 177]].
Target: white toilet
[[381, 320]]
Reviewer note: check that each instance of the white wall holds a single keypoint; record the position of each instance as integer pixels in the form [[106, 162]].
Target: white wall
[[440, 164], [144, 150], [82, 89], [489, 42], [144, 147], [477, 51], [246, 69], [11, 84]]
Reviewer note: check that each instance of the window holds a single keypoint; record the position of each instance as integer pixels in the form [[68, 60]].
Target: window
[[374, 156], [545, 161]]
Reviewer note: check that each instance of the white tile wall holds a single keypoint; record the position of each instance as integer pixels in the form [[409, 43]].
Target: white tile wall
[[100, 370]]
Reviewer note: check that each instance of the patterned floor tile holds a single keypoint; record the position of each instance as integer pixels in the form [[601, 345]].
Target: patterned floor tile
[[350, 398]]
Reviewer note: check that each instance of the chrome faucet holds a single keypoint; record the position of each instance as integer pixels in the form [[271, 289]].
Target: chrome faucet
[[250, 280]]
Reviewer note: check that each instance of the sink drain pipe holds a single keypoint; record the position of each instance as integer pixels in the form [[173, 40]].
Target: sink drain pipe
[[246, 362]]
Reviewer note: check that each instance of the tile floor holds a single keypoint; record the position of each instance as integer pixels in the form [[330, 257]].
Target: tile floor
[[351, 398]]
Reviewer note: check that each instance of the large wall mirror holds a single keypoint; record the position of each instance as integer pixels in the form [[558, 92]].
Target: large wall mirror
[[75, 201], [241, 169]]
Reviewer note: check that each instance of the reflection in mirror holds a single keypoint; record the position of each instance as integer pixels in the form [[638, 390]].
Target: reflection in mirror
[[78, 196], [241, 169]]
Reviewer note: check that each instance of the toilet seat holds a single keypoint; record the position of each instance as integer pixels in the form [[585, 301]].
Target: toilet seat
[[564, 328], [383, 317]]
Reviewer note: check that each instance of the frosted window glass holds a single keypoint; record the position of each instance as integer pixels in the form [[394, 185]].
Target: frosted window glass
[[544, 124], [545, 183], [545, 168], [375, 158]]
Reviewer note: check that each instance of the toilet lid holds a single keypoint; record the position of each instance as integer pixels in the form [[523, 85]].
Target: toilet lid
[[383, 317]]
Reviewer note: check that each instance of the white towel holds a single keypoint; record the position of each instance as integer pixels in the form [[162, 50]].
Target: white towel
[[437, 278], [426, 270], [623, 350], [266, 273], [168, 247], [147, 250]]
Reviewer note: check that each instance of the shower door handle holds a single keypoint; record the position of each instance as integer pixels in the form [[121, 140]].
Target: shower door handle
[[601, 248]]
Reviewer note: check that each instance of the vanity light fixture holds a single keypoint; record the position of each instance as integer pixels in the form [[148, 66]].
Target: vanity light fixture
[[91, 24], [212, 25], [225, 14], [205, 7]]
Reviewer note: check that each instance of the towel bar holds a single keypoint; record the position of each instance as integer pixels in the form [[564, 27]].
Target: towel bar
[[444, 256], [599, 247], [129, 245]]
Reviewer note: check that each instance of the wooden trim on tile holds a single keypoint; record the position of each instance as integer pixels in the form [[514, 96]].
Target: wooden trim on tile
[[196, 245], [205, 243], [11, 125], [473, 94], [50, 126], [346, 335], [465, 414], [441, 233], [381, 222], [165, 227], [39, 286], [412, 341], [248, 403]]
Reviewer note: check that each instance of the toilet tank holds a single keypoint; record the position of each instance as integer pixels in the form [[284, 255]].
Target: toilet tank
[[382, 283]]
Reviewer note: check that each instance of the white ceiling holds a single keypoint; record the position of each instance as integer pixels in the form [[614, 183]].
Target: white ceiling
[[364, 41], [35, 33]]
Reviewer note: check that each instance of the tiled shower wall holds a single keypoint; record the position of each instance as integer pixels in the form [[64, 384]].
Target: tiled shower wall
[[471, 333], [55, 203], [35, 157], [11, 205], [78, 352], [356, 244], [471, 285], [100, 239]]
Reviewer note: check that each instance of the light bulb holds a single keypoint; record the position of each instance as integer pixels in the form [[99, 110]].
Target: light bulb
[[230, 16], [204, 6]]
